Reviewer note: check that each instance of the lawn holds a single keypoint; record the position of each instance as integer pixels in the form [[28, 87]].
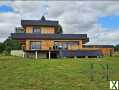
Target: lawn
[[57, 74]]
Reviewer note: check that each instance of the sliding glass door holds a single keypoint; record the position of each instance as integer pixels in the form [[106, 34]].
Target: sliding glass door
[[35, 45]]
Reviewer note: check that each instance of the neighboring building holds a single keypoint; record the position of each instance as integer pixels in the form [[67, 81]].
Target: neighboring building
[[38, 38]]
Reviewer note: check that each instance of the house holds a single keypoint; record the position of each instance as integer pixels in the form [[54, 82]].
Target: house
[[44, 38]]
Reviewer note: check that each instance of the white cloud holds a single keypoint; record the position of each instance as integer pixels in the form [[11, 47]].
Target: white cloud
[[75, 17]]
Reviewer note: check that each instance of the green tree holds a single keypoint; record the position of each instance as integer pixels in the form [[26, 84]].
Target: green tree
[[1, 47], [11, 44], [117, 47]]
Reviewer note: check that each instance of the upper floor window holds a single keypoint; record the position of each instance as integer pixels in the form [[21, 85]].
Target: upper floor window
[[36, 30]]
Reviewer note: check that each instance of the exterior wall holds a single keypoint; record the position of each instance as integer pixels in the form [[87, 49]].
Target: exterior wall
[[27, 44], [80, 44], [72, 47], [107, 51], [44, 30], [46, 44], [28, 29]]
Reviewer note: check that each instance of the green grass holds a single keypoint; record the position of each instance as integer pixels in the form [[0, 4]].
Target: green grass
[[67, 74]]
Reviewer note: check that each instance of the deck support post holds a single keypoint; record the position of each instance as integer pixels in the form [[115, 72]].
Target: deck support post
[[23, 55], [75, 57], [36, 55], [49, 54]]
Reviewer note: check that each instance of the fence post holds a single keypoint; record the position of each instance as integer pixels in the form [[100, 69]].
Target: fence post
[[92, 71], [107, 72]]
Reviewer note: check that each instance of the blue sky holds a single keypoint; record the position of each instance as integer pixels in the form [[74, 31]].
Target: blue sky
[[109, 22], [5, 9]]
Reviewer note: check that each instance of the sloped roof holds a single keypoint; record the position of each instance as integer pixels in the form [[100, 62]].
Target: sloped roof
[[43, 21], [38, 36], [99, 46], [48, 36]]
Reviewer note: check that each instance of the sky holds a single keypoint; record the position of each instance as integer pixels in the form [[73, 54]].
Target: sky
[[98, 19]]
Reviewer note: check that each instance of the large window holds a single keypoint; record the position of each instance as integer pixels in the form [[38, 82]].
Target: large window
[[67, 44], [36, 30], [35, 45]]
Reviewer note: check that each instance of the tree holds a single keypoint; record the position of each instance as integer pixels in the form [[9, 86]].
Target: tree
[[11, 44], [1, 47], [117, 47]]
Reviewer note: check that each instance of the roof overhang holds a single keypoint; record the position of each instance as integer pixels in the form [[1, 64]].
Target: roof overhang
[[37, 36]]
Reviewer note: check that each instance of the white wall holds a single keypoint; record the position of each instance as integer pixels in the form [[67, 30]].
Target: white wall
[[17, 53]]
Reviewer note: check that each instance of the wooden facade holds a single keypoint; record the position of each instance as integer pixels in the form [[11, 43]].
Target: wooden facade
[[46, 44], [44, 30], [107, 51]]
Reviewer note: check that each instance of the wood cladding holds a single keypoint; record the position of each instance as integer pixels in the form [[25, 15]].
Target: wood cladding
[[29, 29], [46, 44], [69, 44], [106, 51], [80, 44], [27, 44], [44, 30]]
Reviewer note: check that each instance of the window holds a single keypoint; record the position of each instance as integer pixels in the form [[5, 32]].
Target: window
[[35, 45], [66, 44], [36, 30]]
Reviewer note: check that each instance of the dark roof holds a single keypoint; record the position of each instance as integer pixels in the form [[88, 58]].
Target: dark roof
[[99, 46], [43, 21], [50, 36], [81, 53]]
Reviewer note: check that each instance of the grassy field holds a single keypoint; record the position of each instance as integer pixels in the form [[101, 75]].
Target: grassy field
[[67, 74]]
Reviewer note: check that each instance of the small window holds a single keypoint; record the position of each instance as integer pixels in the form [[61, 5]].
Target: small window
[[36, 30]]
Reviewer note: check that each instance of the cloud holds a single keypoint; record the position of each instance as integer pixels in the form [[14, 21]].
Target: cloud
[[75, 17]]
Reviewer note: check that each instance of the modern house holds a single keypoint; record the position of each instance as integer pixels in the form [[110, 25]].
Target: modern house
[[44, 38]]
